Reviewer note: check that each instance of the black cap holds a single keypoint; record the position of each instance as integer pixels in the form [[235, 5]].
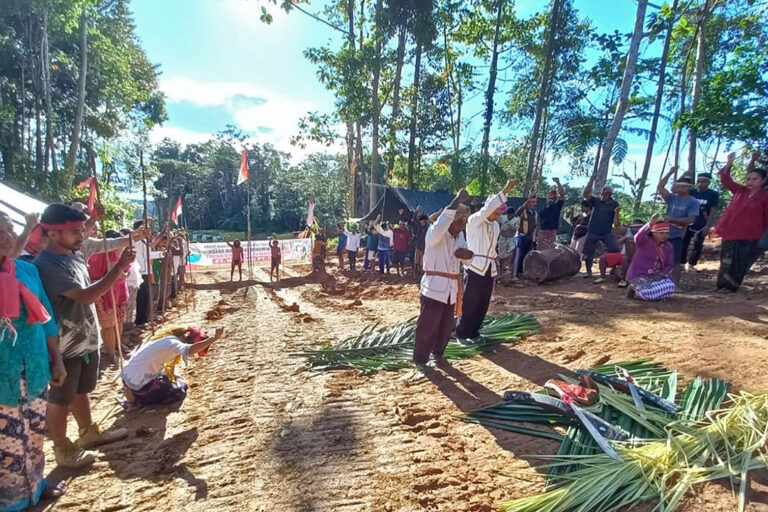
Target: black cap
[[705, 175]]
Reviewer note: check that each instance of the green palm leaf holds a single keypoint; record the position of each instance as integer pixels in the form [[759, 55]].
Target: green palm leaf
[[391, 348]]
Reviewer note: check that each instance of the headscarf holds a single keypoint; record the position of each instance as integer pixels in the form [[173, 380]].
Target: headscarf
[[12, 293]]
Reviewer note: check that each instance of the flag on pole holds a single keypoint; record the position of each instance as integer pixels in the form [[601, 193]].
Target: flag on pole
[[92, 195], [311, 211], [176, 210], [242, 176]]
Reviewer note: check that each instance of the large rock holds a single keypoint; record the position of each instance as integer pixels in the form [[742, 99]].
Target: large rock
[[562, 261]]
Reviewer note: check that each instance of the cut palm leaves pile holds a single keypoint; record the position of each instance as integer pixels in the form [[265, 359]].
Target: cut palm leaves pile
[[391, 348], [728, 443]]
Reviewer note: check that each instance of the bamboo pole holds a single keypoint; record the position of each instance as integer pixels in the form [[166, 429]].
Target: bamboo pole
[[150, 272], [248, 227], [188, 264], [118, 338]]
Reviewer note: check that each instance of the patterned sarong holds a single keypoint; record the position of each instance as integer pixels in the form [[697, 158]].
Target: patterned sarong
[[22, 461], [161, 391], [648, 289]]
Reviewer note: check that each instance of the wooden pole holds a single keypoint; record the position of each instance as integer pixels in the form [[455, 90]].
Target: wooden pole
[[150, 273], [118, 338], [188, 264], [248, 227]]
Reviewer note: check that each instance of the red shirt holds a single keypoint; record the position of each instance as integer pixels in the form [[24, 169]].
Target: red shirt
[[402, 237], [746, 217]]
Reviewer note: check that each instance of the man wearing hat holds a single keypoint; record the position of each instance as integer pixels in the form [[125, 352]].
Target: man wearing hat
[[682, 210], [697, 232], [441, 283], [482, 237]]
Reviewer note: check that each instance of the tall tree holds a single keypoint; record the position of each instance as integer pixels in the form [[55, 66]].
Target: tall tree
[[698, 78], [489, 93], [69, 162], [601, 176], [543, 95], [669, 16], [378, 35]]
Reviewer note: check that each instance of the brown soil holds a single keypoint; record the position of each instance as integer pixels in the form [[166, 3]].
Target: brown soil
[[259, 431]]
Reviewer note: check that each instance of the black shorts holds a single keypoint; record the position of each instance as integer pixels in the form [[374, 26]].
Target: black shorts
[[82, 374]]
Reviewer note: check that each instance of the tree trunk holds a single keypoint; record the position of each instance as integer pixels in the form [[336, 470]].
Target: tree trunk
[[656, 111], [359, 165], [697, 83], [623, 104], [376, 106], [550, 264], [414, 116], [352, 207], [49, 123], [489, 93], [38, 139], [542, 98], [69, 163], [401, 38]]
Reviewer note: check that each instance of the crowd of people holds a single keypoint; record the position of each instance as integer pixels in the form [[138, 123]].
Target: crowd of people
[[647, 258], [65, 295]]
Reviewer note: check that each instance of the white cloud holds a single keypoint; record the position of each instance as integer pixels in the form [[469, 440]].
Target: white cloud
[[181, 135], [271, 117]]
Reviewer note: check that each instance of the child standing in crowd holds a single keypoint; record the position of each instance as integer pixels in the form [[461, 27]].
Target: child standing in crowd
[[371, 244], [385, 242], [237, 259], [402, 238], [276, 257], [353, 244]]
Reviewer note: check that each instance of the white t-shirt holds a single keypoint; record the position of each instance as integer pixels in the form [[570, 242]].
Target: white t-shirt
[[353, 242], [147, 363]]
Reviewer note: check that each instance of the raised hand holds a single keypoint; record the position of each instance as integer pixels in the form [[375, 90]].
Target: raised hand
[[98, 211], [731, 157], [556, 180], [462, 195], [128, 257], [510, 186], [33, 219]]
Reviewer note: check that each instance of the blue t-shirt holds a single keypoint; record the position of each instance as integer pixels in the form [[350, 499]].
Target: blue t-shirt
[[549, 216], [681, 207], [342, 242], [371, 241]]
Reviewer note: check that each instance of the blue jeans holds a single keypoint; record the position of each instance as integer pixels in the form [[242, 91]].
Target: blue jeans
[[383, 260], [524, 246]]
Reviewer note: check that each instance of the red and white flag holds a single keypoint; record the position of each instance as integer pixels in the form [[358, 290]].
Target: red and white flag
[[176, 210], [242, 176], [92, 196], [311, 211]]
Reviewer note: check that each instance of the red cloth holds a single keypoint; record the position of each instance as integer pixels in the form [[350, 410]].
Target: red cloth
[[402, 237], [746, 217], [13, 292], [97, 268], [613, 259]]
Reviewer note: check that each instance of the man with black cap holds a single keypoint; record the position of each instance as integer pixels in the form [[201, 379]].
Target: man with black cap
[[682, 210], [697, 232]]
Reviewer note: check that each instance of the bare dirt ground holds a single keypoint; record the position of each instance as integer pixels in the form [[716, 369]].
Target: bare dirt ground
[[259, 432]]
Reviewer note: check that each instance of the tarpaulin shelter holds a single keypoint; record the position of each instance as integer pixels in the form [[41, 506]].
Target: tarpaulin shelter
[[17, 205], [395, 198]]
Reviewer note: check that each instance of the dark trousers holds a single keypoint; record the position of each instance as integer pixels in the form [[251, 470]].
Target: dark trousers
[[736, 258], [609, 242], [475, 302], [433, 329], [693, 245], [142, 301], [352, 257], [383, 260], [524, 246]]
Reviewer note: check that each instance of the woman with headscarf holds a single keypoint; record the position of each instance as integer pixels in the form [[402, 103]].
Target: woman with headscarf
[[149, 376], [29, 358], [652, 263], [742, 225]]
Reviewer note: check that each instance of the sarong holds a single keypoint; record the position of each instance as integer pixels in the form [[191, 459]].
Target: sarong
[[648, 289], [160, 391], [736, 258], [22, 461]]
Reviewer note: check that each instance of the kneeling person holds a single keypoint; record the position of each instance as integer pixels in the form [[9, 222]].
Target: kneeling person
[[149, 375]]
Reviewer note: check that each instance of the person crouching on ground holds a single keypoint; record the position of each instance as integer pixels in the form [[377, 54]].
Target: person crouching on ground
[[68, 286], [276, 256], [482, 236], [654, 259], [237, 259], [149, 376], [440, 285]]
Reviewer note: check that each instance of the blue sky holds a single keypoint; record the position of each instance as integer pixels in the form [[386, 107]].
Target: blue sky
[[220, 64]]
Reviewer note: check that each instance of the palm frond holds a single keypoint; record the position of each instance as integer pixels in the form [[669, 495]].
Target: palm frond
[[391, 348]]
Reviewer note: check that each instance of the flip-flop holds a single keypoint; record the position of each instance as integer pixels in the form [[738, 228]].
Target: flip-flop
[[54, 492], [600, 280], [575, 392]]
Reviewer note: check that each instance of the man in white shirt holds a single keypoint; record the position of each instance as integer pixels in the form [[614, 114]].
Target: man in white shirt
[[482, 237], [353, 244], [444, 248], [385, 242]]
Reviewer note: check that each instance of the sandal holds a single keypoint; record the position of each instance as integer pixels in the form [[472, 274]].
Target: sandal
[[600, 280], [54, 492]]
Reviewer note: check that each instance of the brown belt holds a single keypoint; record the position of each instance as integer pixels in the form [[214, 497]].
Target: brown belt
[[458, 279]]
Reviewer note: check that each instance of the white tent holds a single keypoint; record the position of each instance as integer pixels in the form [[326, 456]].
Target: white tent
[[17, 205]]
